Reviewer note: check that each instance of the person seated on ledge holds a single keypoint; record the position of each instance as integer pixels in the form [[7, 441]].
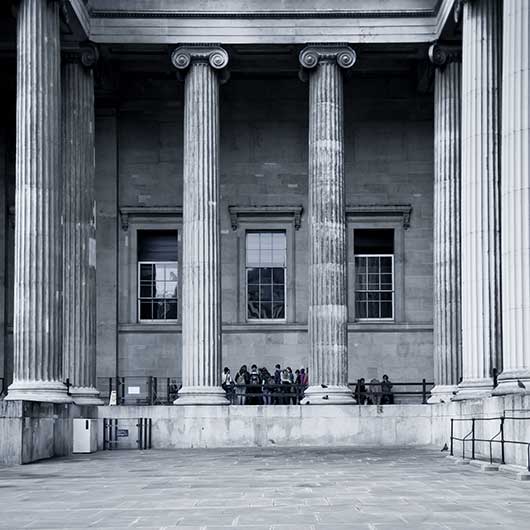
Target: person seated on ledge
[[387, 397], [374, 392]]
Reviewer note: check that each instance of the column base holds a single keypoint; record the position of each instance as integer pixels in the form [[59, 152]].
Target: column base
[[85, 396], [43, 391], [474, 389], [442, 393], [513, 382], [201, 395], [332, 395]]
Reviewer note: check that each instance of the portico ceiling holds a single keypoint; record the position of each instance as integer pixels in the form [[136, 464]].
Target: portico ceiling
[[262, 22]]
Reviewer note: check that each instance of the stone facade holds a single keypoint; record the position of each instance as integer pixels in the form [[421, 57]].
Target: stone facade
[[183, 144]]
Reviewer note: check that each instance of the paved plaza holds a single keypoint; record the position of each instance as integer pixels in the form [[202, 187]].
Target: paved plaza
[[295, 488]]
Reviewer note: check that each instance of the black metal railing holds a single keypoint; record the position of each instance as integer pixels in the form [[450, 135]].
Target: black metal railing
[[136, 390], [499, 437], [154, 390], [117, 433], [376, 395]]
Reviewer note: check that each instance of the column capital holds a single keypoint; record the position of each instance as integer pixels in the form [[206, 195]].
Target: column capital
[[441, 55], [313, 54], [183, 56], [87, 54]]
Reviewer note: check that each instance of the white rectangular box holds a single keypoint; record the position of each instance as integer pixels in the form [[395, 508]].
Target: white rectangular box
[[85, 435]]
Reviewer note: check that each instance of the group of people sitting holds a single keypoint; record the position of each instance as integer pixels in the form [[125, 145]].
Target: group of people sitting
[[259, 387], [378, 392]]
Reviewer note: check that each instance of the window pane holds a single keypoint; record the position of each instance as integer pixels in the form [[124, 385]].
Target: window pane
[[373, 264], [373, 282], [278, 258], [252, 276], [253, 258], [387, 280], [266, 293], [266, 275], [360, 309], [159, 289], [171, 272], [159, 309], [265, 240], [146, 290], [386, 264], [253, 293], [278, 275], [279, 240], [278, 293], [252, 241], [386, 297], [171, 309], [146, 271], [170, 290], [265, 258], [373, 310], [252, 310], [278, 310], [266, 310], [361, 281], [386, 310], [361, 297], [146, 310], [360, 264]]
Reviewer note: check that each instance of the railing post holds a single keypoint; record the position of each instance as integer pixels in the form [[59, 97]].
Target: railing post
[[473, 439], [424, 391], [110, 387], [502, 440], [452, 432]]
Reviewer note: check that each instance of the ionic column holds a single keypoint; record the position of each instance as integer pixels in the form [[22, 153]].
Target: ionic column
[[38, 231], [201, 302], [481, 290], [79, 271], [515, 199], [447, 300], [328, 310]]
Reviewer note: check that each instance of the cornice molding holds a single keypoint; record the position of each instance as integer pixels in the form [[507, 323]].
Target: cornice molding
[[441, 55], [406, 13], [128, 212], [253, 213], [404, 211]]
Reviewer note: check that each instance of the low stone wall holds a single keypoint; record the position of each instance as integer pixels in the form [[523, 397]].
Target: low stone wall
[[289, 425], [32, 431]]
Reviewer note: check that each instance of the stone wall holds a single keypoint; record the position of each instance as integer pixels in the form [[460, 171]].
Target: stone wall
[[388, 160]]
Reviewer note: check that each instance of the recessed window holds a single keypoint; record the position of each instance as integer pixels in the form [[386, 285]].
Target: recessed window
[[266, 259], [374, 274], [157, 275]]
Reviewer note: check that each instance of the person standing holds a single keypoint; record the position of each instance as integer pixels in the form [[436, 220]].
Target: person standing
[[242, 379], [387, 396]]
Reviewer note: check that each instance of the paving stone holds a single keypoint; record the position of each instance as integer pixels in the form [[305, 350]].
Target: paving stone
[[272, 488]]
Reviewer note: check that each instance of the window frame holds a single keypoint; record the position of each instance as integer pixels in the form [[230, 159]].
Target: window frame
[[266, 223], [285, 277], [378, 222], [139, 285], [144, 218], [393, 291]]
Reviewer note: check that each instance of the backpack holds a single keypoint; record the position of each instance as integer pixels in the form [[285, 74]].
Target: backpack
[[254, 379]]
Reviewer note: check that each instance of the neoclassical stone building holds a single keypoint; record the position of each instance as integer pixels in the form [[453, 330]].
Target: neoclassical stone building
[[343, 187]]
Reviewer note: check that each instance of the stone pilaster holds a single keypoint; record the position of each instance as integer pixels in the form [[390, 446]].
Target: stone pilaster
[[38, 231], [79, 270], [481, 290], [201, 323], [515, 199], [328, 309], [447, 300]]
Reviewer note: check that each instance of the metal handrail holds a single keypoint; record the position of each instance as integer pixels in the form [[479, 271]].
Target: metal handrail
[[491, 440]]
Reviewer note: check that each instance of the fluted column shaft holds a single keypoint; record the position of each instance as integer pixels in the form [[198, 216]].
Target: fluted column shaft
[[481, 294], [328, 309], [79, 271], [515, 198], [38, 232], [201, 323], [447, 297]]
